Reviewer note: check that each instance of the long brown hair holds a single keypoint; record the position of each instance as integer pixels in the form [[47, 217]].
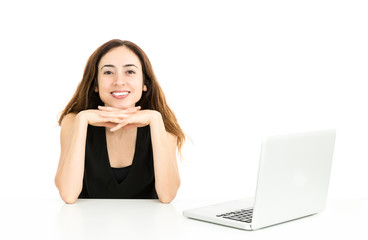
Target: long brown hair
[[154, 99]]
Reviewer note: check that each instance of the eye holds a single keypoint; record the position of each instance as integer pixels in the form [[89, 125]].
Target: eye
[[130, 72], [107, 72]]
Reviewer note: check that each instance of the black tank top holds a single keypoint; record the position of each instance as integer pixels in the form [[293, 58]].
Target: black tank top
[[99, 180], [121, 173]]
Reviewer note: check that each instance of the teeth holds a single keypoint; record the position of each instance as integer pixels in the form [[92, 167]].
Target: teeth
[[120, 93]]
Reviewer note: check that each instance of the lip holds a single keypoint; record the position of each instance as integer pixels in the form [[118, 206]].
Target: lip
[[122, 94]]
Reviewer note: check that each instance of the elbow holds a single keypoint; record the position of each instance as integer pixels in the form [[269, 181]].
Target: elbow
[[166, 199], [69, 200], [68, 196], [168, 196]]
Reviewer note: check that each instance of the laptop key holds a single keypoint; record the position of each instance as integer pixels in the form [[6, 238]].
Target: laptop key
[[242, 215]]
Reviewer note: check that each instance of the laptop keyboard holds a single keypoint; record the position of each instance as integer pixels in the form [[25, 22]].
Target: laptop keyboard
[[242, 215]]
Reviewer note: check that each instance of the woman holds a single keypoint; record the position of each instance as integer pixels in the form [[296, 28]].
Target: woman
[[118, 135]]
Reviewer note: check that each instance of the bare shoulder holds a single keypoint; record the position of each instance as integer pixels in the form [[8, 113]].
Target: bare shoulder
[[67, 125], [68, 120]]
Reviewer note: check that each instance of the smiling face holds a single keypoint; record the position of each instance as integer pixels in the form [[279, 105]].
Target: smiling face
[[120, 78]]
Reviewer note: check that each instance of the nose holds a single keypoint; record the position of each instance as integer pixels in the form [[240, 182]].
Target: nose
[[119, 80]]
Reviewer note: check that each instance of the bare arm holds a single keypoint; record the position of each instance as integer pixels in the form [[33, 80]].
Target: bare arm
[[165, 162], [69, 175]]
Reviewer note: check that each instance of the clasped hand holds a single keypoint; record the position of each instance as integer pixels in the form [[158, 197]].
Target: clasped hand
[[115, 118]]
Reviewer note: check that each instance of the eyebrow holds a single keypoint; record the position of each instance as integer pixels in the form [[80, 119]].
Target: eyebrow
[[126, 65]]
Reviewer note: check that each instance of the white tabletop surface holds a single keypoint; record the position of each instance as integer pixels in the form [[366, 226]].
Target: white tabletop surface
[[150, 219]]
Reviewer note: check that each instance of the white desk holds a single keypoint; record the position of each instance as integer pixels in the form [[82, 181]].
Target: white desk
[[149, 219]]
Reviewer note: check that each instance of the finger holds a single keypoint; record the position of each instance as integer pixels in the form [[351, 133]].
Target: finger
[[110, 125], [117, 127], [120, 116], [130, 126], [105, 124], [107, 108], [111, 109], [113, 120], [134, 109], [124, 123], [119, 113]]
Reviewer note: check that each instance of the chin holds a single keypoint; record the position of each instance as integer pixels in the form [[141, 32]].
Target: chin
[[120, 106]]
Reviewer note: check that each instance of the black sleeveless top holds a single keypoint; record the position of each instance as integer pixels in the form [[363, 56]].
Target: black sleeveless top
[[99, 180], [121, 173]]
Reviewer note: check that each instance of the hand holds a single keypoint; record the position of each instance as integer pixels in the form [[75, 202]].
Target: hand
[[139, 118], [97, 118]]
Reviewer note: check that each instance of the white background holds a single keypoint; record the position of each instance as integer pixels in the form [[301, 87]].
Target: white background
[[232, 71]]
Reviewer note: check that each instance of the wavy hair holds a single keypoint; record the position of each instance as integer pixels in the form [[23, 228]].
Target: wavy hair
[[154, 99]]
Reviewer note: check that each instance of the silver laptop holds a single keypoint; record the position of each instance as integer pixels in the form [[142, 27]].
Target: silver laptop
[[293, 179]]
